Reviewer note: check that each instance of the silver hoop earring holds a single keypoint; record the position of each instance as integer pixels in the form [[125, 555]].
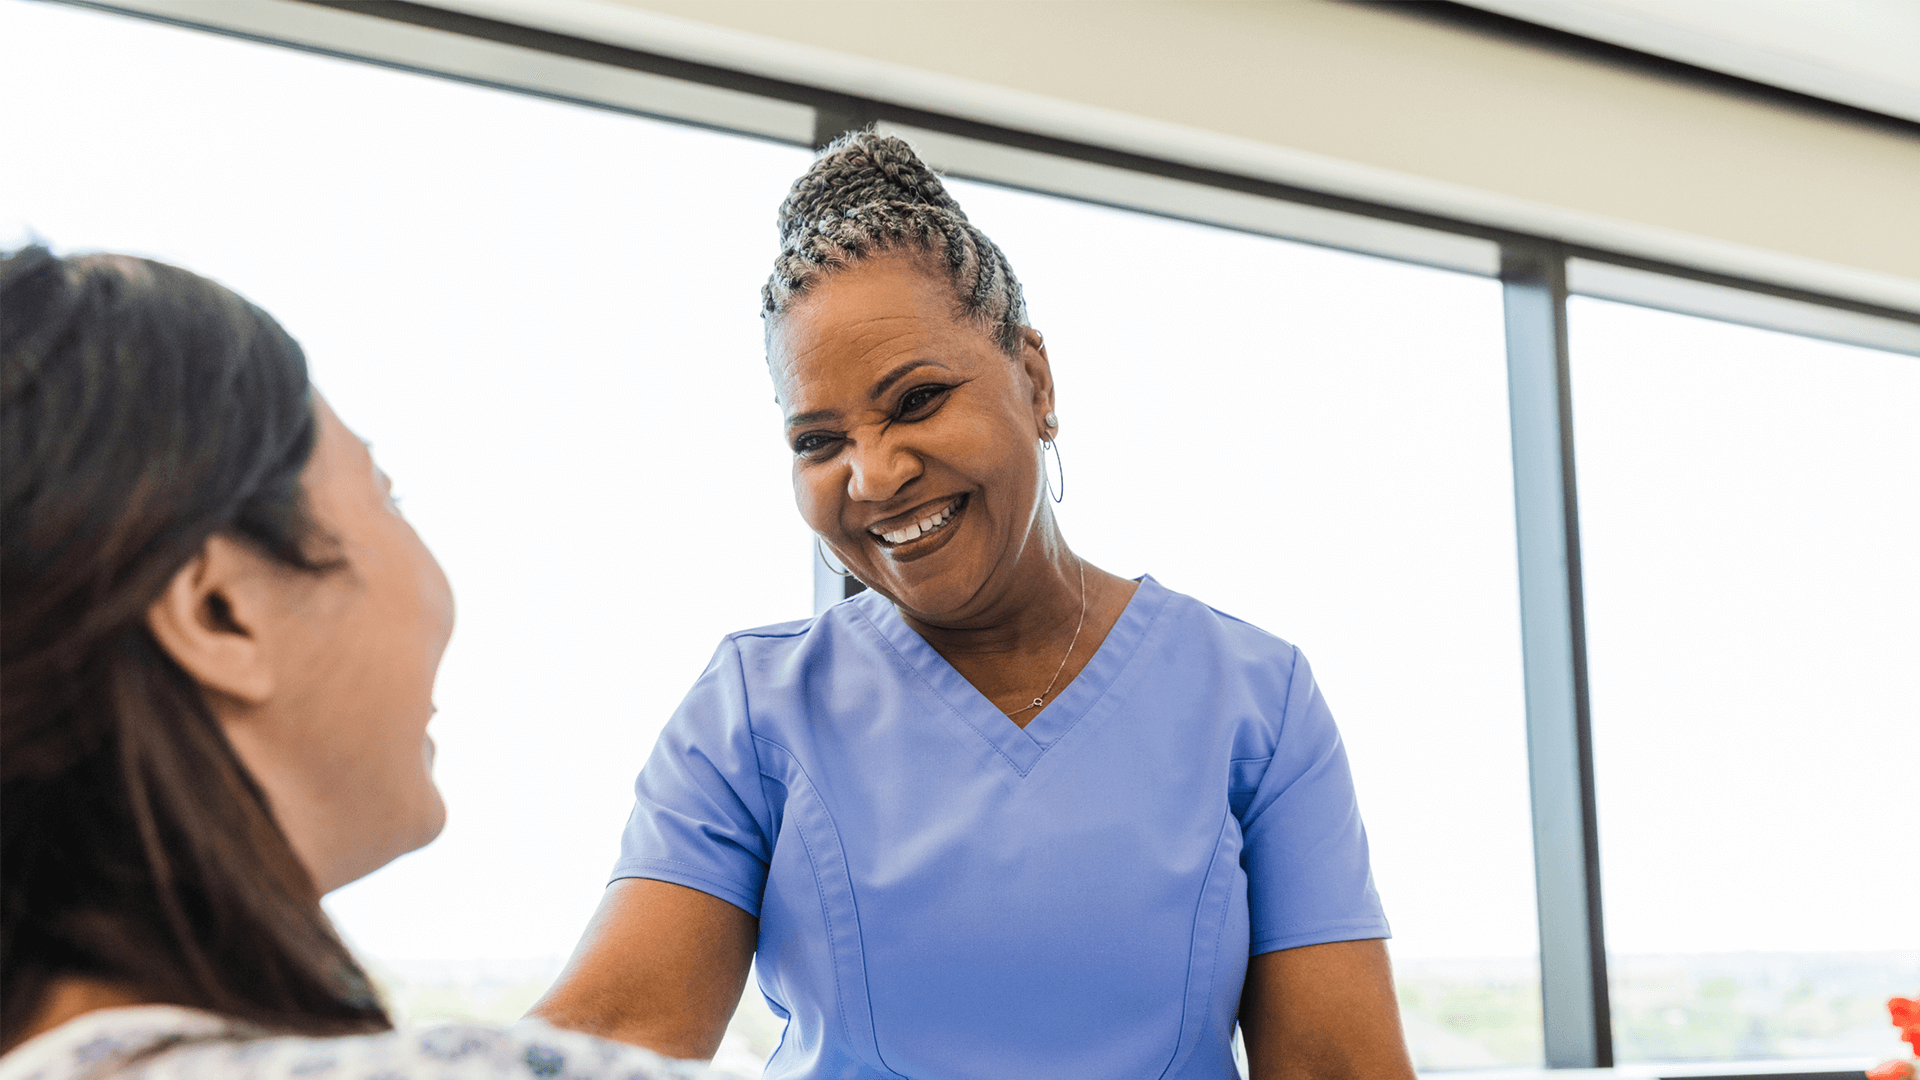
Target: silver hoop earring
[[822, 552], [1059, 491]]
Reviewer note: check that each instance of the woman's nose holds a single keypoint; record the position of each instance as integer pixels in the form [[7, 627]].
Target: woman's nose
[[878, 469]]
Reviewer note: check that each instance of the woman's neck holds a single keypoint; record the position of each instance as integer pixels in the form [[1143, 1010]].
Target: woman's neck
[[69, 997], [1052, 625], [1025, 614]]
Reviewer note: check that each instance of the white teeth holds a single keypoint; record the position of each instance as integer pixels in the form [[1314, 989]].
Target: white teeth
[[920, 528]]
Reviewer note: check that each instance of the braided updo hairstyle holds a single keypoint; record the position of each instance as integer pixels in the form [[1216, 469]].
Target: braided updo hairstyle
[[867, 194]]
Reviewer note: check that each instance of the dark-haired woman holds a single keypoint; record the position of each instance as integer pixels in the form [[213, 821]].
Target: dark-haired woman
[[218, 651], [1004, 815]]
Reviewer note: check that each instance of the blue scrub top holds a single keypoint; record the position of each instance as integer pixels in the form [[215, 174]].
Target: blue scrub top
[[943, 894]]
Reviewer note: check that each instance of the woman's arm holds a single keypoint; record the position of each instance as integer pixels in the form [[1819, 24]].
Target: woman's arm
[[1323, 1012], [660, 966]]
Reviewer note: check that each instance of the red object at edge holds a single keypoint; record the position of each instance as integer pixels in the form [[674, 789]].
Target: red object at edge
[[1906, 1017]]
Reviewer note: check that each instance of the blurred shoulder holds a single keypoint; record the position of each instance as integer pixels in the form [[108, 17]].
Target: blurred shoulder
[[165, 1043], [525, 1051]]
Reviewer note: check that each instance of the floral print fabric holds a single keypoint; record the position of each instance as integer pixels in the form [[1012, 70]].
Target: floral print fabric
[[161, 1042]]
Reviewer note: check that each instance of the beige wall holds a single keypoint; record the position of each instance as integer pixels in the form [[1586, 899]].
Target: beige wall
[[1369, 85]]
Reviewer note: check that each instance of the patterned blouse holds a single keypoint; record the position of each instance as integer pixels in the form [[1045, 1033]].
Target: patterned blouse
[[164, 1042]]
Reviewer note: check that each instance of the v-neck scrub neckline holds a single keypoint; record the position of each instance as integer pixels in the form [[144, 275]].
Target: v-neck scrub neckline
[[1021, 745], [945, 895]]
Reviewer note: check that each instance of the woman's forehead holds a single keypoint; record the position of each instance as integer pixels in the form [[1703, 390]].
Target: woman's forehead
[[859, 326], [884, 286], [861, 364]]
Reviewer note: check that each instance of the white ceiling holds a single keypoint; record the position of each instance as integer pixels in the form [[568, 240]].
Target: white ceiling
[[1860, 52]]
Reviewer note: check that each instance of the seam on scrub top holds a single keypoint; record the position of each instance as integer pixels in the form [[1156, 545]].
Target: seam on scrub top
[[1286, 714], [1286, 697], [672, 865], [814, 864], [826, 914], [948, 705], [1230, 617], [1199, 906], [1297, 929], [697, 867], [1219, 929], [1255, 789], [1370, 930], [753, 740], [767, 633]]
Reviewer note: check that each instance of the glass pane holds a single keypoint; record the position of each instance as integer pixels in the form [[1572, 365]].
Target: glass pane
[[1750, 517], [1317, 442], [546, 319]]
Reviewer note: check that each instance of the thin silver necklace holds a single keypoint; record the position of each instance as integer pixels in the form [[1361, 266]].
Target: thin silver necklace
[[1042, 699]]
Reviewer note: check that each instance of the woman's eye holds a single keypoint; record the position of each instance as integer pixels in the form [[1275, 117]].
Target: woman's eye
[[811, 444], [920, 398]]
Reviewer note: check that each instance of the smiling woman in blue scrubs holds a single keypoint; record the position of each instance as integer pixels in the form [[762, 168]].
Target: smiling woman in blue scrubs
[[1004, 815]]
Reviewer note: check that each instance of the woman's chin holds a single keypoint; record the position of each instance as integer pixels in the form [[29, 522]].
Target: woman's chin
[[429, 821], [411, 831], [419, 823], [433, 814], [942, 601]]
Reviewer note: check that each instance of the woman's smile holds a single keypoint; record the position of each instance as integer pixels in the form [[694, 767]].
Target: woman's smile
[[927, 522]]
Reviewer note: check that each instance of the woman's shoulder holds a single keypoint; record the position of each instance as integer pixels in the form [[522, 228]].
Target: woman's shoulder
[[859, 616], [1198, 624], [526, 1051], [168, 1043]]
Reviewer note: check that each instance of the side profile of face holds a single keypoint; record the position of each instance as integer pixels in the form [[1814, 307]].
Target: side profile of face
[[323, 682], [915, 438]]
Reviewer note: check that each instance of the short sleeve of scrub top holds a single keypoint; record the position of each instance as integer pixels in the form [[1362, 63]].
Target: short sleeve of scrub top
[[944, 894]]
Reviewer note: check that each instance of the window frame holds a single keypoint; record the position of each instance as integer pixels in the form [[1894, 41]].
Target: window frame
[[1538, 271]]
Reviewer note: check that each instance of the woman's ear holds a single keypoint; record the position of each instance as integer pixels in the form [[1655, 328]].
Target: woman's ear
[[1039, 372], [210, 617]]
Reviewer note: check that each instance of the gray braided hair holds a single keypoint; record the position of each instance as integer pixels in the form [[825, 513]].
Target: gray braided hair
[[868, 193]]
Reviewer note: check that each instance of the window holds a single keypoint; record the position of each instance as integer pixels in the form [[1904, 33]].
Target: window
[[545, 319], [543, 316], [1750, 515]]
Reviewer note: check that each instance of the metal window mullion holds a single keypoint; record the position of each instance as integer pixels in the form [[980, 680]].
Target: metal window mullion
[[1573, 966], [832, 121]]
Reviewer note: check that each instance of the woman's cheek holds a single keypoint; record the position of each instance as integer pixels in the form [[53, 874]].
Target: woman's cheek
[[812, 498]]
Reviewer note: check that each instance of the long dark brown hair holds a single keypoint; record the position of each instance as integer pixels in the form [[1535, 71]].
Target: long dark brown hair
[[144, 409]]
